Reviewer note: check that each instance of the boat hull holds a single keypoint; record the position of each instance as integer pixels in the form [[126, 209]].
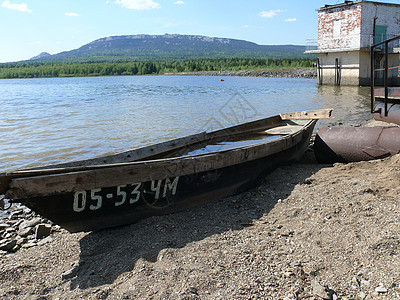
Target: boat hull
[[98, 208], [163, 178]]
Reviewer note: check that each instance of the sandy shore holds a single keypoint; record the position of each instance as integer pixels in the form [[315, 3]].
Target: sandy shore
[[310, 231]]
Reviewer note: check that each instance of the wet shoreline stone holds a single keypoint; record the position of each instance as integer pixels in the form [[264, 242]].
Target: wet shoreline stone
[[275, 73], [20, 227]]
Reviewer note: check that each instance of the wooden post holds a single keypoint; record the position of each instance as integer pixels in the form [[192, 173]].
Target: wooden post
[[337, 73], [319, 68]]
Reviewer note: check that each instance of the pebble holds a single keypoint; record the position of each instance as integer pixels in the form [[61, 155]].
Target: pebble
[[381, 289], [25, 232], [42, 230], [319, 290], [364, 283], [288, 273], [361, 296], [4, 226], [22, 228], [29, 245], [7, 245], [44, 241], [70, 273], [30, 223]]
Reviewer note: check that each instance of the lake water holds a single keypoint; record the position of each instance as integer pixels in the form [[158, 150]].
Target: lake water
[[55, 120]]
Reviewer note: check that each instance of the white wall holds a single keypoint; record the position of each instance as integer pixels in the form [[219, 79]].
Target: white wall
[[349, 20], [385, 14], [352, 26]]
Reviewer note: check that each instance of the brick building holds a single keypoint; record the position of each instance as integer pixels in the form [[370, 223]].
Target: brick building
[[346, 32]]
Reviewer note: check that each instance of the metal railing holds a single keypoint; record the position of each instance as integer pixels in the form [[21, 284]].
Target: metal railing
[[384, 46], [311, 44]]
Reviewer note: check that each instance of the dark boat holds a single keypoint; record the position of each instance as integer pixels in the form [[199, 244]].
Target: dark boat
[[162, 178]]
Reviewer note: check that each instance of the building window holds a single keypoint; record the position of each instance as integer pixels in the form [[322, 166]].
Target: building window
[[380, 33], [337, 27]]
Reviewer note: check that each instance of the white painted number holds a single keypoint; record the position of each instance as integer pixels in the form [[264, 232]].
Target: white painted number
[[98, 198], [79, 201], [136, 193], [156, 188], [79, 204], [171, 186], [120, 193]]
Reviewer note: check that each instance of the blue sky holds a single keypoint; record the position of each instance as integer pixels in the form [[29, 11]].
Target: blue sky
[[28, 27]]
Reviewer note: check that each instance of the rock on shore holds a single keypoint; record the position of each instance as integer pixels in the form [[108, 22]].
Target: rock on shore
[[273, 72], [22, 228]]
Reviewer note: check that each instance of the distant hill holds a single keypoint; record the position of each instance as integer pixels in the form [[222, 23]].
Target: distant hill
[[171, 47], [41, 56]]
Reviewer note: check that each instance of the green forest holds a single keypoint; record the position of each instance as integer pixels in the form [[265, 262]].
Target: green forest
[[46, 69]]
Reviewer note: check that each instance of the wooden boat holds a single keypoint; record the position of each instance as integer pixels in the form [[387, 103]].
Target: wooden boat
[[162, 178]]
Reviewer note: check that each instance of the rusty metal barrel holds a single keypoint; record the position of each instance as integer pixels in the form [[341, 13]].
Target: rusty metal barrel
[[393, 115], [351, 144]]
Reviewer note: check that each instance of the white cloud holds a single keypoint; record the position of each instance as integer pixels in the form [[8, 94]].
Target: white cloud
[[246, 26], [270, 14], [138, 4], [179, 2], [291, 20], [21, 7], [72, 14]]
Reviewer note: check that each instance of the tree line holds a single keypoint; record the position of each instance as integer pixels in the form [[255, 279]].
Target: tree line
[[46, 69]]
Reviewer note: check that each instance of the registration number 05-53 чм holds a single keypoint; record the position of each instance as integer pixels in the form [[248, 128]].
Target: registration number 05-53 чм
[[128, 193]]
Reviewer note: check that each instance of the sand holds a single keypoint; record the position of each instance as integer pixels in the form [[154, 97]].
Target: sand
[[309, 231]]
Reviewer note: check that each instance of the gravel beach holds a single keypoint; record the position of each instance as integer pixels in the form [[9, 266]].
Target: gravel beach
[[309, 231], [267, 72]]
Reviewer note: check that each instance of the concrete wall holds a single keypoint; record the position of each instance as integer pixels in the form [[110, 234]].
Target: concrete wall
[[349, 71], [355, 68]]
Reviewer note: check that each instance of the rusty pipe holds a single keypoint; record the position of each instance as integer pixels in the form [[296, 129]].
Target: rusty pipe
[[393, 115], [350, 144]]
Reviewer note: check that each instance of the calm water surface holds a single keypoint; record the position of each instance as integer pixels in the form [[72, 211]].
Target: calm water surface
[[46, 121]]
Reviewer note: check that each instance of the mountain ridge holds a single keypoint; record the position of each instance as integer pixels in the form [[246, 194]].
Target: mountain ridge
[[171, 47]]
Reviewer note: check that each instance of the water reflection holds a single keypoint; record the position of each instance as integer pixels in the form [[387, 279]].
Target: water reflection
[[351, 104], [62, 119]]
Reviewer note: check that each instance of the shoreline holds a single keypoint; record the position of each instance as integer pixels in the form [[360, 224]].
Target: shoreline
[[265, 72], [309, 231], [268, 72]]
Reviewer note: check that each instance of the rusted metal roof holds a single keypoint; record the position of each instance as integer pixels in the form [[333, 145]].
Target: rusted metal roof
[[350, 3]]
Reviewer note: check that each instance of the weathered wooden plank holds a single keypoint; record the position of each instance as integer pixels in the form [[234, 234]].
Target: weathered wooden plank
[[126, 156], [310, 114], [252, 126], [288, 129], [140, 153], [145, 152]]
